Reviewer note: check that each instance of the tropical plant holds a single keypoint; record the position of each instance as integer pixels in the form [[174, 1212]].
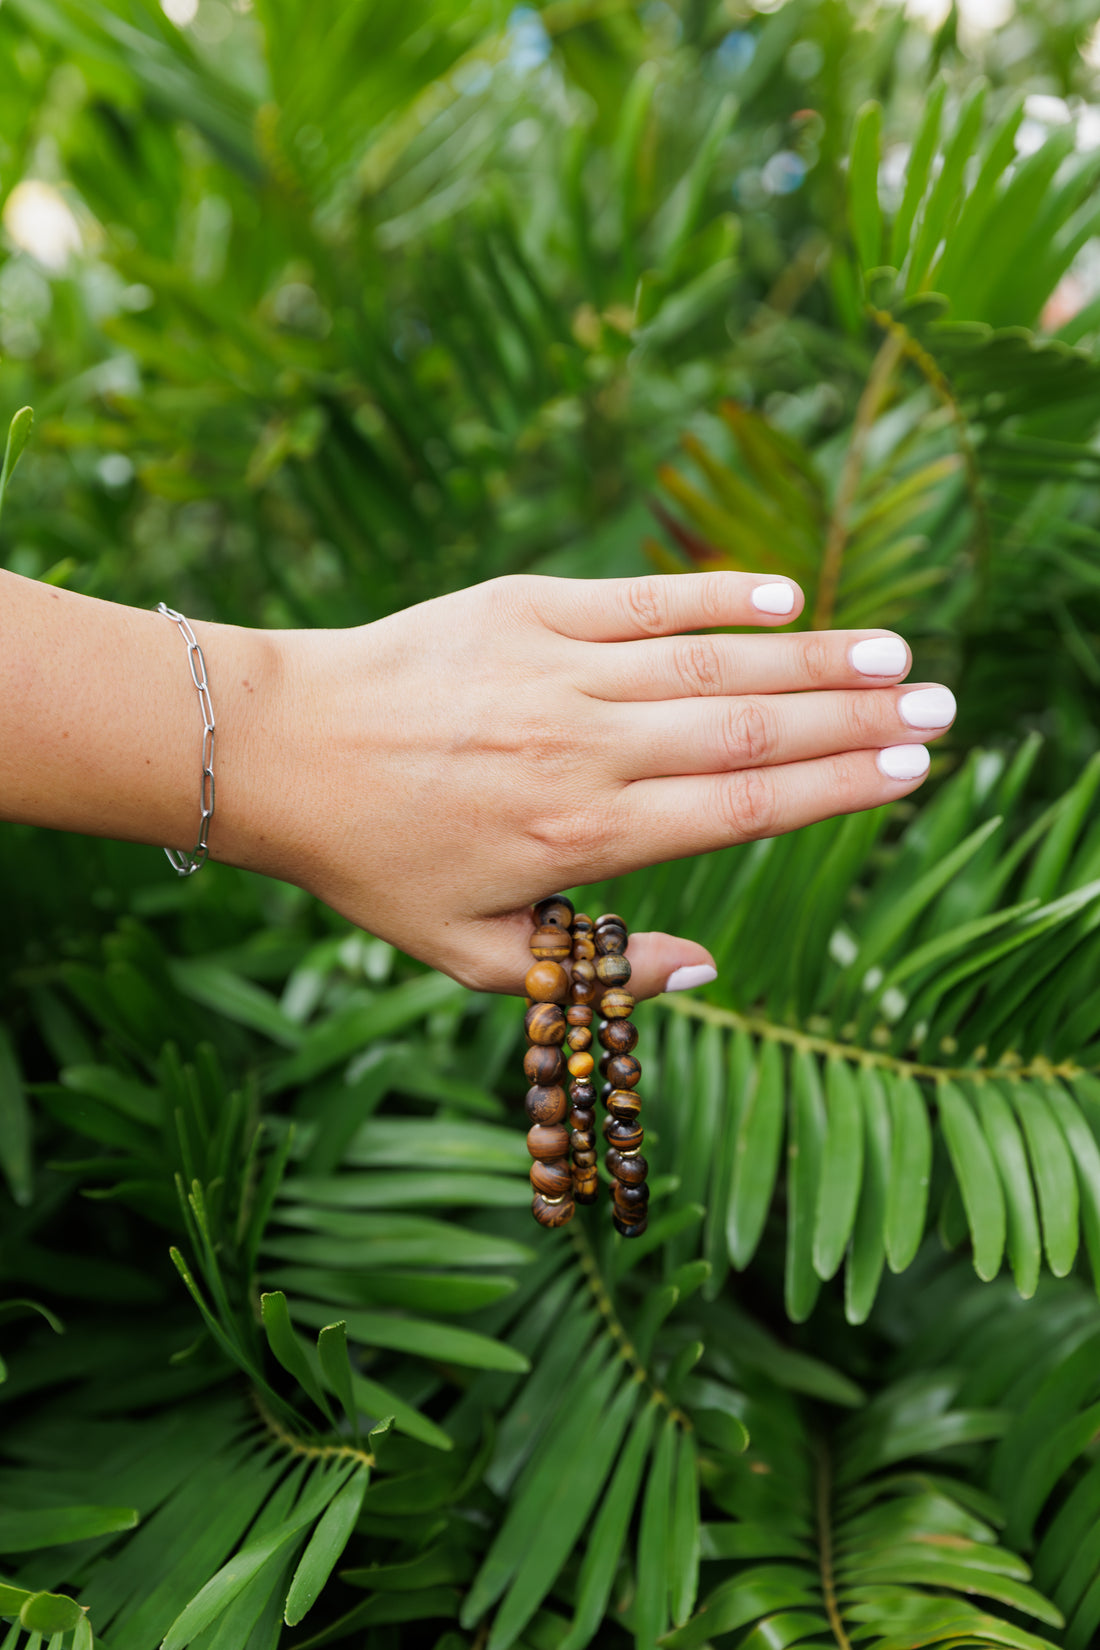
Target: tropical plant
[[373, 312]]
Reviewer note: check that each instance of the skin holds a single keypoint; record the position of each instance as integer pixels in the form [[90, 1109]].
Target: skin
[[433, 774]]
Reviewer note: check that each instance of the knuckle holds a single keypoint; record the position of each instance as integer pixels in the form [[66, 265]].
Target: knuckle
[[700, 665], [571, 836], [646, 603], [746, 733], [748, 805], [863, 720], [816, 659], [713, 597]]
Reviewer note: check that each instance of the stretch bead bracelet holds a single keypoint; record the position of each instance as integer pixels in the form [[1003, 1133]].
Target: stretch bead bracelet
[[558, 1023]]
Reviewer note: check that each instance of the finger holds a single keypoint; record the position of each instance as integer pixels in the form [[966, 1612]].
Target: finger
[[686, 667], [660, 819], [496, 955], [662, 604], [696, 736]]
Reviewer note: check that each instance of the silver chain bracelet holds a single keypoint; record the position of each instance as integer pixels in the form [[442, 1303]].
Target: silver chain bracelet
[[183, 863]]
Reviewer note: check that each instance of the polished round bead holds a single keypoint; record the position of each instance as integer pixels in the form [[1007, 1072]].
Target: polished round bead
[[545, 1103], [628, 1197], [579, 1038], [616, 1004], [552, 1214], [557, 912], [551, 944], [546, 982], [582, 923], [610, 918], [625, 1230], [581, 1065], [625, 1137], [584, 1140], [610, 942], [581, 1118], [545, 1023], [612, 969], [586, 1187], [584, 1160], [543, 1063], [553, 1178], [585, 971], [623, 1070], [583, 950], [616, 1036], [605, 1094], [579, 1014], [584, 992], [547, 1140], [583, 1093], [632, 1171], [625, 1104]]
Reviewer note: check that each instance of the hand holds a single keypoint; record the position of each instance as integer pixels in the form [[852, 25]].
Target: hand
[[433, 774]]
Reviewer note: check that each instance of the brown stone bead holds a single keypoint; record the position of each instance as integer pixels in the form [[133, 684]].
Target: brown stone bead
[[584, 1140], [552, 1214], [579, 1038], [546, 982], [623, 1070], [616, 1004], [581, 1065], [583, 950], [543, 1063], [625, 1104], [579, 1014], [584, 1160], [551, 944], [557, 911], [605, 1094], [612, 969], [629, 1197], [583, 1119], [583, 924], [547, 1140], [616, 1036], [625, 1137], [628, 1231], [545, 1103], [632, 1171], [545, 1023], [585, 971], [610, 917], [586, 1188], [583, 1093], [584, 992], [552, 1179], [610, 942]]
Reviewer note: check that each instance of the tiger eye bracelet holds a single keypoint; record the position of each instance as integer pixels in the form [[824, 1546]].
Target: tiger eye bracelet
[[558, 1023]]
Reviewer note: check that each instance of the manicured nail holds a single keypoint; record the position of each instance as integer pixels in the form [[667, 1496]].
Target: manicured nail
[[932, 707], [773, 598], [903, 761], [879, 656], [682, 979]]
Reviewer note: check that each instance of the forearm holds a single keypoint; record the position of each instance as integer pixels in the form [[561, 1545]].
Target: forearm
[[101, 728]]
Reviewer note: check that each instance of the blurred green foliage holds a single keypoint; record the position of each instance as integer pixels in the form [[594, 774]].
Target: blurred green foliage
[[323, 310]]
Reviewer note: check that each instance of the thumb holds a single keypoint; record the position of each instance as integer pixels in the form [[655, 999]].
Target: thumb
[[496, 956], [664, 962]]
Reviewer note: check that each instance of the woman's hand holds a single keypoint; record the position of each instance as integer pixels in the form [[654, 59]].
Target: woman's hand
[[433, 774]]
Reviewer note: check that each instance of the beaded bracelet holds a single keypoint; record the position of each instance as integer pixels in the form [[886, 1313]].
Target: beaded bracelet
[[599, 972]]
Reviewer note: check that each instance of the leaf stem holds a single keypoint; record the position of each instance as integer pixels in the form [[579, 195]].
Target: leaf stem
[[825, 1548], [883, 367], [302, 1446], [623, 1344]]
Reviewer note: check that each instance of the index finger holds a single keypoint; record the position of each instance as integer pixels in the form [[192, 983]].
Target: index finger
[[663, 604]]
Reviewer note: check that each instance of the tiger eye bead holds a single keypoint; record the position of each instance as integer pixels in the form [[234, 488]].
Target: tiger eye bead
[[629, 1197], [628, 1231], [585, 971], [583, 950], [543, 1064], [616, 1036], [612, 969], [605, 1094], [551, 1179], [546, 982], [545, 1104], [623, 1071], [557, 911], [581, 1065], [552, 1214], [625, 1104], [551, 944], [584, 992], [584, 1140], [586, 1188], [547, 1140], [545, 1023], [583, 924], [583, 1093], [610, 941], [632, 1171], [625, 1137], [583, 1119], [579, 1014], [579, 1038], [610, 918], [616, 1004], [584, 1160]]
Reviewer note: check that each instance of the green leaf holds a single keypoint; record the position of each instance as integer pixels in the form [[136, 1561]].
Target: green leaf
[[23, 1530], [605, 1544], [1055, 1177], [805, 1140], [916, 173], [1007, 1146], [910, 1171], [287, 1348], [977, 1177], [759, 1139], [18, 435], [841, 1168], [324, 1547], [336, 1370], [654, 1552], [684, 1533], [867, 1255], [755, 1592], [15, 1124], [440, 1342], [863, 204], [50, 1613]]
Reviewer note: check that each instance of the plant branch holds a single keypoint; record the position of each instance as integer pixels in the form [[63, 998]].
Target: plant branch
[[623, 1344], [302, 1446], [825, 1548]]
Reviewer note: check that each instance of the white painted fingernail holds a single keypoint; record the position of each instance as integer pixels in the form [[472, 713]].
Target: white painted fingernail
[[932, 707], [879, 656], [904, 761], [682, 979], [773, 598]]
